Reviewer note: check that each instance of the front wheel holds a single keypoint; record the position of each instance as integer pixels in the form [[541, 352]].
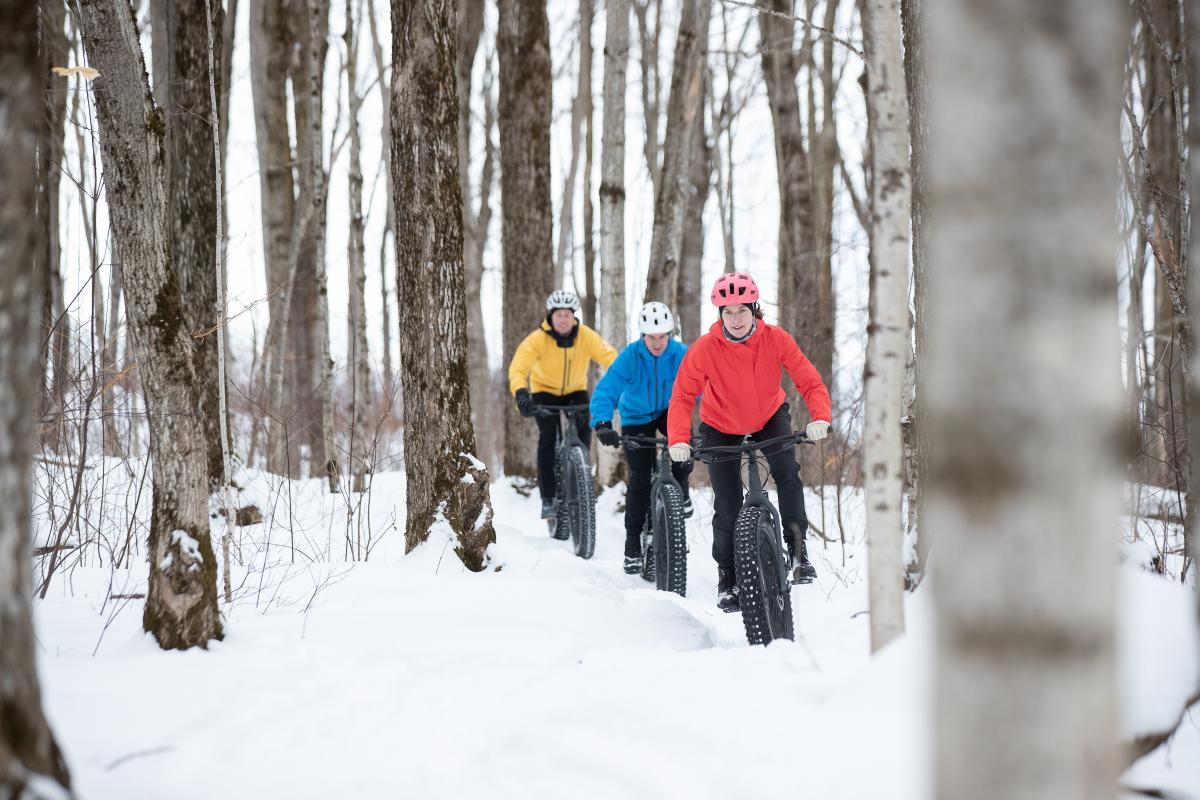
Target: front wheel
[[766, 606], [580, 501], [670, 540]]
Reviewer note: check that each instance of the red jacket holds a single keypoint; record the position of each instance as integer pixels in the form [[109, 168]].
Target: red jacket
[[740, 382]]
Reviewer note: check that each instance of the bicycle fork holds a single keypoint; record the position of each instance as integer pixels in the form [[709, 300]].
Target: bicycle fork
[[757, 495]]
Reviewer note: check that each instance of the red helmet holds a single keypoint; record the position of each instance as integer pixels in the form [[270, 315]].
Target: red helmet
[[734, 288]]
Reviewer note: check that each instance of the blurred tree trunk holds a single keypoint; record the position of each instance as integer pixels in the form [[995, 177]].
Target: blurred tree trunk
[[113, 445], [912, 413], [649, 39], [684, 106], [451, 486], [381, 67], [358, 359], [688, 308], [31, 764], [181, 600], [180, 53], [887, 328], [55, 331], [565, 255], [1026, 692], [523, 46], [1192, 15], [476, 224], [587, 14], [270, 47]]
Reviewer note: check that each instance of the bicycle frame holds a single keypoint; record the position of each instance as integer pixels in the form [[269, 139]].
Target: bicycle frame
[[662, 465], [568, 435]]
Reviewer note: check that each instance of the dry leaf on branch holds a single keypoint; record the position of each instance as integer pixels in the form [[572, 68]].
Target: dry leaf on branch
[[88, 73]]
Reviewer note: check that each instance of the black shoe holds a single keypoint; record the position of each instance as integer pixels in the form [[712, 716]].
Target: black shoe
[[688, 509], [633, 565], [800, 568], [549, 509], [727, 591]]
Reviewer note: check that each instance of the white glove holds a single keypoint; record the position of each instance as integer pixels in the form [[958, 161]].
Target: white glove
[[681, 452], [817, 430]]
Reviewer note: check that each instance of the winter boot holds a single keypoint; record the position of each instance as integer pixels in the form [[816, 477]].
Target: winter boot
[[727, 590], [633, 553], [800, 568], [688, 509]]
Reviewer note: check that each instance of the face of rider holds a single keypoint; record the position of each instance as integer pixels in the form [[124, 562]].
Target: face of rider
[[737, 319], [562, 320], [656, 343]]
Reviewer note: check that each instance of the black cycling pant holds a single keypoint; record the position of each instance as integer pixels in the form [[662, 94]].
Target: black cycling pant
[[548, 433], [726, 480], [641, 464]]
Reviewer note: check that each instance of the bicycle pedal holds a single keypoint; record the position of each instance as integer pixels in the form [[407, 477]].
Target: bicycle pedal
[[798, 579]]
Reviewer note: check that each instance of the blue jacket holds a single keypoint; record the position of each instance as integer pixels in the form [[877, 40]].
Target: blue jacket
[[640, 381]]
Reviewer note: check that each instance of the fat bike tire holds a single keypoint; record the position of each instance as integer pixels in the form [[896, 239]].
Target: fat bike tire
[[670, 540], [559, 526], [580, 494], [766, 611]]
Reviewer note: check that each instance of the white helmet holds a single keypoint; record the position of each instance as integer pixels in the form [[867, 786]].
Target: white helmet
[[563, 298], [655, 317]]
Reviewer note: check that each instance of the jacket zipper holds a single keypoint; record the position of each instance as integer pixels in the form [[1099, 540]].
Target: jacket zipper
[[656, 386], [562, 391]]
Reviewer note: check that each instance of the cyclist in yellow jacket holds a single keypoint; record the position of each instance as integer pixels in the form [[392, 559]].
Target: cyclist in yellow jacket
[[553, 362]]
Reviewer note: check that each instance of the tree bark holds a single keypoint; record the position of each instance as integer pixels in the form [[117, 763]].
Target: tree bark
[[450, 487], [55, 326], [180, 52], [181, 601], [587, 14], [912, 413], [1025, 689], [1192, 16], [356, 273], [523, 46], [887, 330], [270, 39], [31, 764], [613, 326], [651, 83], [688, 306], [683, 112], [381, 66]]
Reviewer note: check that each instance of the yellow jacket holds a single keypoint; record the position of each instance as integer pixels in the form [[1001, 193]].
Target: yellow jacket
[[546, 367]]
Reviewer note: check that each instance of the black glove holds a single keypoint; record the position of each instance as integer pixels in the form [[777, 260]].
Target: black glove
[[606, 434], [524, 402]]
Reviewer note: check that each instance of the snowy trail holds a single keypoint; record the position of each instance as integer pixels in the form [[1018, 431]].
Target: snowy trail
[[552, 677]]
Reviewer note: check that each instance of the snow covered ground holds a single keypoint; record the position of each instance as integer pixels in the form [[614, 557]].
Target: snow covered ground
[[551, 677]]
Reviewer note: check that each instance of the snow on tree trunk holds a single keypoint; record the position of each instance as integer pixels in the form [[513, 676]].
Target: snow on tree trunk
[[181, 600], [1024, 405], [684, 118], [356, 273], [180, 56], [30, 762], [447, 484], [887, 330], [523, 47]]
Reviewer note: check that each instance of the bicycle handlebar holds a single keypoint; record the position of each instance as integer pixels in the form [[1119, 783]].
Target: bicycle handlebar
[[643, 442], [543, 410], [712, 453]]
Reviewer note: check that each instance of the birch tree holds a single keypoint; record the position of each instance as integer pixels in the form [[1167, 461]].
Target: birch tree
[[523, 47], [450, 485], [356, 273], [30, 762], [684, 105], [613, 326], [181, 598], [1024, 481], [887, 330]]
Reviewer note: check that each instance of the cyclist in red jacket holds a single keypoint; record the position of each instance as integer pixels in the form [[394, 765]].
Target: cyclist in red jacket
[[737, 367]]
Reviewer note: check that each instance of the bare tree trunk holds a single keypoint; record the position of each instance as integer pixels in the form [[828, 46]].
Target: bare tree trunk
[[270, 48], [1192, 16], [912, 413], [523, 46], [53, 52], [381, 66], [30, 762], [887, 330], [475, 225], [587, 13], [683, 111], [566, 210], [651, 82], [180, 45], [688, 307], [181, 601], [113, 445], [359, 357], [451, 487], [1025, 688], [613, 326]]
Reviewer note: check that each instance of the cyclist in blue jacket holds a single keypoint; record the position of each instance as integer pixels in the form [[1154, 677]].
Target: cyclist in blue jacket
[[641, 380]]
